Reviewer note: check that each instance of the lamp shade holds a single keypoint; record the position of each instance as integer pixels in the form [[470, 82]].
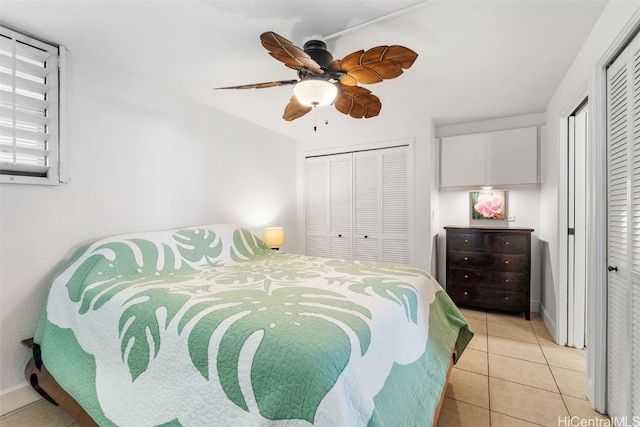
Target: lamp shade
[[274, 237], [315, 93]]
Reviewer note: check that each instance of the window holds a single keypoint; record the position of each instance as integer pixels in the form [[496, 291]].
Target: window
[[29, 110]]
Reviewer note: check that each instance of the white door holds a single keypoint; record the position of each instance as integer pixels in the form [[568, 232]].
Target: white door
[[623, 149], [341, 206], [576, 221], [317, 206], [328, 206], [395, 204], [381, 205], [366, 194]]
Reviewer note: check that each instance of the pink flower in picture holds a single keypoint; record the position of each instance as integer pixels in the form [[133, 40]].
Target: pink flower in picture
[[489, 205]]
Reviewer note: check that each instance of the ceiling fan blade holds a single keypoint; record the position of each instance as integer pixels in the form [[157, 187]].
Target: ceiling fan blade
[[261, 85], [357, 102], [374, 65], [286, 52], [295, 109]]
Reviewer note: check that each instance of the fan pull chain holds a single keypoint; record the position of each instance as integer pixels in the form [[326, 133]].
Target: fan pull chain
[[315, 120]]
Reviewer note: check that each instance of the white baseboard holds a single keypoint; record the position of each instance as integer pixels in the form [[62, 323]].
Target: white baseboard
[[534, 305], [549, 322], [17, 397]]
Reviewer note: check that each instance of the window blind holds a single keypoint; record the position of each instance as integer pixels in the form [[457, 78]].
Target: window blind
[[28, 108]]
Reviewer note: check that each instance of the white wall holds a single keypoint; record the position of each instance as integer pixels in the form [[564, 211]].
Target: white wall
[[139, 159]]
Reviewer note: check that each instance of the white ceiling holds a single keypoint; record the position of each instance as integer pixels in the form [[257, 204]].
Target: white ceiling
[[477, 58]]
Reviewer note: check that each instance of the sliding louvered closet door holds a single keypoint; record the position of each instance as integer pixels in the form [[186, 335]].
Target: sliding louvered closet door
[[623, 145], [328, 206], [357, 205]]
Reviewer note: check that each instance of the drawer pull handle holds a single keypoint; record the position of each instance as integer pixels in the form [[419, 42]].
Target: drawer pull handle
[[466, 258], [466, 276], [465, 293], [506, 261], [506, 298], [466, 240], [506, 243], [339, 235], [506, 280]]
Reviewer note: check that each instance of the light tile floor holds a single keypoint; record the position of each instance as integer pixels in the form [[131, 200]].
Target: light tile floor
[[512, 374]]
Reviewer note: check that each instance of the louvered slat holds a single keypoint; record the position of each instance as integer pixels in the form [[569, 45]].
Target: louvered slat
[[395, 250], [316, 208], [367, 249], [318, 246], [617, 149], [341, 247], [634, 217], [341, 205], [635, 343], [618, 375], [395, 192], [366, 193]]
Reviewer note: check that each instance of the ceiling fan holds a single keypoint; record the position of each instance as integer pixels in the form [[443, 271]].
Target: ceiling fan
[[323, 80]]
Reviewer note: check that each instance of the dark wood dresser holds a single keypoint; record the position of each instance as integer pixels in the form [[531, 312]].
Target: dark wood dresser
[[489, 267]]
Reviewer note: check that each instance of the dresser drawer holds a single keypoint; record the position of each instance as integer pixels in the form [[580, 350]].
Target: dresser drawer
[[488, 261], [490, 279], [468, 259], [507, 243], [509, 262], [489, 298], [466, 241]]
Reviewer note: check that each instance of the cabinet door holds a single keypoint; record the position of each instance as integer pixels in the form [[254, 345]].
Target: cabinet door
[[512, 157], [462, 160]]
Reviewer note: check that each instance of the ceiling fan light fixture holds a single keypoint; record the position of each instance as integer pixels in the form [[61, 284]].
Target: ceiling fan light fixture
[[315, 92]]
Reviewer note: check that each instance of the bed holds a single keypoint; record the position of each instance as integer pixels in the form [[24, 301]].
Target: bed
[[208, 326]]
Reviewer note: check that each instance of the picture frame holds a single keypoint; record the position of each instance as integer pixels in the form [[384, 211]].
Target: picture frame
[[488, 205]]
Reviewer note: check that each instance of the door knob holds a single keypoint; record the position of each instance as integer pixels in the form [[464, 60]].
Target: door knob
[[612, 268]]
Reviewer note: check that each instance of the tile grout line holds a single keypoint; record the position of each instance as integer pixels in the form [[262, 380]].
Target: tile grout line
[[486, 327], [564, 403]]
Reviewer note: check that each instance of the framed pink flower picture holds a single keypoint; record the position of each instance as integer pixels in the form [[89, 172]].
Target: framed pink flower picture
[[488, 204]]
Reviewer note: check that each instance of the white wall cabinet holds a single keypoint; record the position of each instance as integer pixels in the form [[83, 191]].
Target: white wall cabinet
[[357, 205], [491, 158]]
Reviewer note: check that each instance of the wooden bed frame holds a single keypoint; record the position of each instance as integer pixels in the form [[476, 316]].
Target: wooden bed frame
[[44, 383]]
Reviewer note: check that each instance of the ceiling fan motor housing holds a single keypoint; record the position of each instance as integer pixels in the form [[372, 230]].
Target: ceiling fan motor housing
[[317, 50]]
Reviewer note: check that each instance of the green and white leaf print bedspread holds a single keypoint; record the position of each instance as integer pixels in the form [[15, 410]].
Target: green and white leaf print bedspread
[[206, 326]]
